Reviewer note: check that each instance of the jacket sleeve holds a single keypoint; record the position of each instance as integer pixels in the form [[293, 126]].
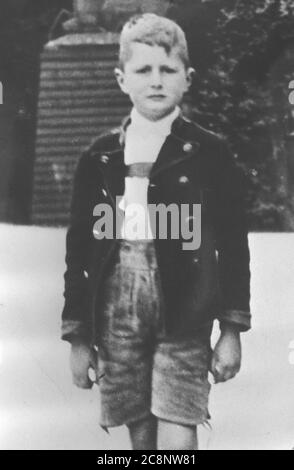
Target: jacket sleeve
[[76, 314], [232, 243]]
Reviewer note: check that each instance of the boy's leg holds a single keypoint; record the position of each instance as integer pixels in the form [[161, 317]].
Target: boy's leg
[[143, 433], [180, 389], [172, 436]]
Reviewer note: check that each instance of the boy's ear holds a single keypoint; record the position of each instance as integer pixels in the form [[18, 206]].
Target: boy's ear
[[120, 77], [190, 75]]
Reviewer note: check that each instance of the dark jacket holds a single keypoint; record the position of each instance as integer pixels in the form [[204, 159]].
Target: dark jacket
[[194, 166]]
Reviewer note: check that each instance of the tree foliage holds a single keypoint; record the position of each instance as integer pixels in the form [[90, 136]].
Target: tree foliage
[[244, 57]]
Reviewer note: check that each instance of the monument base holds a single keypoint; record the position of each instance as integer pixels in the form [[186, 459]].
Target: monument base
[[78, 99]]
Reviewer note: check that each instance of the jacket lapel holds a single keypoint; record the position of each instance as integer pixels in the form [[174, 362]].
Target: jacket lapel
[[176, 148]]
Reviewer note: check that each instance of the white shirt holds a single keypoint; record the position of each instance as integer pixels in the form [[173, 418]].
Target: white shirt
[[143, 143]]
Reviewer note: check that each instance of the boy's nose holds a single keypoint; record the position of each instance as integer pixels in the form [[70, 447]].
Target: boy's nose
[[156, 79]]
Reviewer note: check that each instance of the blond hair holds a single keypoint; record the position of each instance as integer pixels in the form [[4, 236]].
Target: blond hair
[[153, 30]]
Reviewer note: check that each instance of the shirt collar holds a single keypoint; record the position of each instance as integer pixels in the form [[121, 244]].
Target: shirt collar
[[159, 127], [177, 128]]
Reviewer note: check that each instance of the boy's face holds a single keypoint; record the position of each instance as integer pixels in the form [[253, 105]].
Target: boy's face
[[154, 80]]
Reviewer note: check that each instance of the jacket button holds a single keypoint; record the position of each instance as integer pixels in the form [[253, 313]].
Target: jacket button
[[187, 147], [195, 260], [104, 158], [183, 180], [152, 185]]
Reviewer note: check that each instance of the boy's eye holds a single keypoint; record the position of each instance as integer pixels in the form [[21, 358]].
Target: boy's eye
[[143, 70], [168, 70]]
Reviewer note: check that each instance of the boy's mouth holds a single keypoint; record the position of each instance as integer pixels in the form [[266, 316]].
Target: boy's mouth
[[157, 97]]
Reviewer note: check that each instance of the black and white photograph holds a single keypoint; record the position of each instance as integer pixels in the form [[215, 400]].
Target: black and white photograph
[[146, 226]]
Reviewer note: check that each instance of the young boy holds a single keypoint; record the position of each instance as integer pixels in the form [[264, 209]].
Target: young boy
[[148, 302]]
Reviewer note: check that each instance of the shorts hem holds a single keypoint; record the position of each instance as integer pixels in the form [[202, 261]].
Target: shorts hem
[[125, 422], [182, 421]]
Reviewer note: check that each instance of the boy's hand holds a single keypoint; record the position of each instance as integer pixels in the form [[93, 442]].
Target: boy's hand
[[226, 358], [82, 358]]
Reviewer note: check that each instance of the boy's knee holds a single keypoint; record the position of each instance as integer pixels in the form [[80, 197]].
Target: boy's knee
[[172, 436]]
